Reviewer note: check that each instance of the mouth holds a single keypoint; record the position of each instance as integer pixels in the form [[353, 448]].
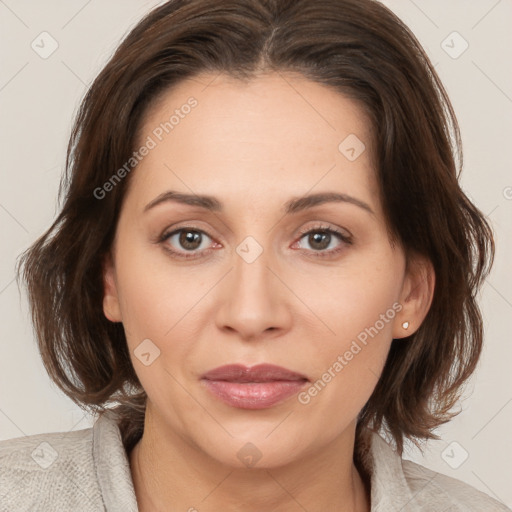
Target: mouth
[[258, 387]]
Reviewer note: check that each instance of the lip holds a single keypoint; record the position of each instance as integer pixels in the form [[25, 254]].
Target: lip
[[258, 373], [256, 387]]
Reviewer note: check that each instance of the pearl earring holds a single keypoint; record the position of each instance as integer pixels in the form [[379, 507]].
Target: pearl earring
[[405, 325]]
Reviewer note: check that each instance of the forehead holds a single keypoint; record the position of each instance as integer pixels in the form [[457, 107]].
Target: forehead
[[278, 132]]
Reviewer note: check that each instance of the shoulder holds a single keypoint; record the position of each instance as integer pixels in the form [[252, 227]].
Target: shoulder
[[400, 484], [437, 488], [53, 471]]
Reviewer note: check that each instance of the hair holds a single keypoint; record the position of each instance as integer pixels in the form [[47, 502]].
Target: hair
[[361, 50]]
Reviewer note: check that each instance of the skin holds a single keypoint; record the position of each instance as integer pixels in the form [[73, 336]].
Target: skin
[[255, 146]]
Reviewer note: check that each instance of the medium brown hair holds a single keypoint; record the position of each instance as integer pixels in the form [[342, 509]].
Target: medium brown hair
[[359, 48]]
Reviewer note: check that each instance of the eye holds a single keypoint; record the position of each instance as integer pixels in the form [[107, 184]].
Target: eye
[[321, 238], [188, 240]]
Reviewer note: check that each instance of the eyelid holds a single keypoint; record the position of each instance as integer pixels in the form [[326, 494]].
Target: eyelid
[[183, 255], [345, 237], [322, 226]]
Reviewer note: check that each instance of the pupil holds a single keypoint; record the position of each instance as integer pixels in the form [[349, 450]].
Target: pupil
[[317, 238], [189, 239]]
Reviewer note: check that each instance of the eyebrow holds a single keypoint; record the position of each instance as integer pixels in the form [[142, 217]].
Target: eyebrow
[[292, 206]]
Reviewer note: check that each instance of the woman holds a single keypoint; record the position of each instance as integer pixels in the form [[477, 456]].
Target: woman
[[261, 240]]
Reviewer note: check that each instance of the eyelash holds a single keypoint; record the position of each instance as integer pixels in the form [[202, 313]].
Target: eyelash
[[347, 239]]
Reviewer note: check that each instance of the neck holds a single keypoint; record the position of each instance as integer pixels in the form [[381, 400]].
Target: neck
[[170, 473]]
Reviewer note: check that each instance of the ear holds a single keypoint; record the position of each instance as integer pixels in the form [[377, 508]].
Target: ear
[[110, 297], [416, 297]]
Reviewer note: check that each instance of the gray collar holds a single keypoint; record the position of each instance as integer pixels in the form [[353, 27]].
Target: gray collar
[[389, 488]]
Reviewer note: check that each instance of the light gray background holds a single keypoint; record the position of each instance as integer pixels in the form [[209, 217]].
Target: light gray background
[[38, 98]]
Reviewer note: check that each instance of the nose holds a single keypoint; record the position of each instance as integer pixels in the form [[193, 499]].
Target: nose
[[255, 303]]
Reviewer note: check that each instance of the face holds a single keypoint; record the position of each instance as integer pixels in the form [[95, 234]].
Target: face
[[256, 274]]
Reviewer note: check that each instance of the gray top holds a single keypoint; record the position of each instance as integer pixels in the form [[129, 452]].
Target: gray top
[[88, 470]]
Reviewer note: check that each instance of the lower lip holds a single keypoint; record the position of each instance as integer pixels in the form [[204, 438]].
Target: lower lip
[[254, 395]]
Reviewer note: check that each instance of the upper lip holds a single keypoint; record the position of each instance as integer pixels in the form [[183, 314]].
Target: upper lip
[[257, 373]]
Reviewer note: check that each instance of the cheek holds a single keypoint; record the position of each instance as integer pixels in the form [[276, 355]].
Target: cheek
[[164, 303], [347, 365], [359, 295], [156, 301], [358, 302], [154, 294]]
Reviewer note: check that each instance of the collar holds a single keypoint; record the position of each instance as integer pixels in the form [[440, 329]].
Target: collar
[[112, 466], [389, 488]]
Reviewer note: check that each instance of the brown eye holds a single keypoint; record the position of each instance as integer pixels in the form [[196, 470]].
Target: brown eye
[[322, 241], [186, 242], [319, 240], [190, 240]]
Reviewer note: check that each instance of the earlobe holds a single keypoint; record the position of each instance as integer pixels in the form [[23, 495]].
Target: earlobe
[[417, 296], [110, 297]]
